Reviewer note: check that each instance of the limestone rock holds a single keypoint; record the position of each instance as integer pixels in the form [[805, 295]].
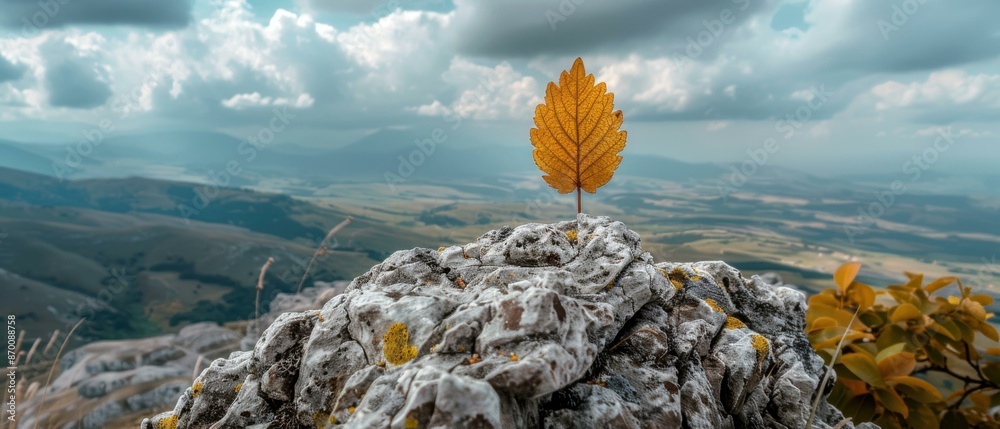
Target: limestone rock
[[114, 384], [566, 325]]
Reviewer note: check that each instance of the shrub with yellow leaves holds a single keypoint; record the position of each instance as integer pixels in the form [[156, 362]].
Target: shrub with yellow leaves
[[904, 347]]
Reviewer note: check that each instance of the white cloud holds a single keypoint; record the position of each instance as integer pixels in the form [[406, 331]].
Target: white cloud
[[821, 129], [656, 83], [730, 91], [942, 88], [433, 109], [487, 93], [226, 59], [716, 126], [243, 101], [963, 132], [401, 65], [390, 41], [803, 95]]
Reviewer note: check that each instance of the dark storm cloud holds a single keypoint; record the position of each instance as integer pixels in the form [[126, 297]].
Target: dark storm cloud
[[72, 83], [378, 8], [911, 35], [845, 47], [531, 27], [32, 16], [9, 71]]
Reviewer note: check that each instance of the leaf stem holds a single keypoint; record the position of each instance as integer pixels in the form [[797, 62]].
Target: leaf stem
[[578, 207]]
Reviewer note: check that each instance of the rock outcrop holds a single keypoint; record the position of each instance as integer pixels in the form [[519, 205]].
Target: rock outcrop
[[114, 384], [568, 325], [107, 383]]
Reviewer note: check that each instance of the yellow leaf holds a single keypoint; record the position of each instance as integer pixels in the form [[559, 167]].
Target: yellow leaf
[[939, 283], [843, 317], [891, 400], [856, 387], [825, 299], [577, 139], [967, 334], [861, 408], [982, 299], [900, 294], [823, 322], [905, 311], [835, 339], [863, 294], [888, 351], [919, 389], [989, 331], [915, 281], [897, 365], [973, 308], [923, 418], [947, 328], [864, 367], [845, 275]]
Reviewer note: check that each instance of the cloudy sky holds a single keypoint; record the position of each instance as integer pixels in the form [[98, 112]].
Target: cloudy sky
[[840, 85]]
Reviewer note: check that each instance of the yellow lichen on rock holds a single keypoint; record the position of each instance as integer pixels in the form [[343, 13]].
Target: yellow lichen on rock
[[396, 344], [322, 419], [411, 423], [711, 303], [677, 277], [167, 423], [196, 390], [571, 235], [238, 387], [734, 323], [761, 345]]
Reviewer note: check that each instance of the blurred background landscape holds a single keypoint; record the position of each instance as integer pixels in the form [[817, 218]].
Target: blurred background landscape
[[191, 251]]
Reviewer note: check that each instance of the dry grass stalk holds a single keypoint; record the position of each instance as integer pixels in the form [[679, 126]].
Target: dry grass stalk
[[321, 250], [260, 287], [41, 405], [826, 375], [842, 423], [32, 390], [52, 341], [31, 351], [18, 344], [197, 366]]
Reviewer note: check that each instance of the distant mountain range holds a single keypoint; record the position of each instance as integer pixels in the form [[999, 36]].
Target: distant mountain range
[[144, 209], [385, 155], [67, 246], [194, 154]]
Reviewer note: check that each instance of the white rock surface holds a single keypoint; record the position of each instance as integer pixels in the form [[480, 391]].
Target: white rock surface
[[113, 384], [568, 325]]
